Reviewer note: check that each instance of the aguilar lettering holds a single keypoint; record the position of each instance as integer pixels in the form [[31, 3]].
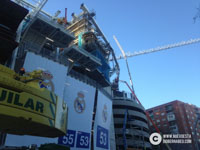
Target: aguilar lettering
[[12, 98]]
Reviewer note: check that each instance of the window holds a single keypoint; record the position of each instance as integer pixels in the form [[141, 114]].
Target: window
[[173, 127], [168, 107], [171, 123], [184, 122], [170, 117], [151, 111], [190, 127], [161, 109], [165, 125], [197, 133], [152, 117], [158, 120], [163, 119], [157, 113], [192, 133], [162, 114]]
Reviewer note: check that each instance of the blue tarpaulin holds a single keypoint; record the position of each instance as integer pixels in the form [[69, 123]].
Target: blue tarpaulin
[[105, 68]]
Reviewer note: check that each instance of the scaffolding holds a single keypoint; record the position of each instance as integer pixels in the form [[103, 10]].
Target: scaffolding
[[90, 40]]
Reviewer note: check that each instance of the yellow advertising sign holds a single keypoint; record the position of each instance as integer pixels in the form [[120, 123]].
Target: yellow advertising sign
[[27, 102]]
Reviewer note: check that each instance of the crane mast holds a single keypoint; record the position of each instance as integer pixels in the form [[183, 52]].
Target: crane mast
[[124, 56]]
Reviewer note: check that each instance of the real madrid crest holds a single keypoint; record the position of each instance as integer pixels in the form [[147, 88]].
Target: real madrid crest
[[46, 81], [104, 113], [79, 103]]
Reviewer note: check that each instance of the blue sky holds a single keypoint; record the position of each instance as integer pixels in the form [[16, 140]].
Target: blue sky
[[140, 24]]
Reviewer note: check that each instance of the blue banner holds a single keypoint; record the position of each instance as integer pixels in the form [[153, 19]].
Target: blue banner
[[102, 137], [83, 140], [69, 139]]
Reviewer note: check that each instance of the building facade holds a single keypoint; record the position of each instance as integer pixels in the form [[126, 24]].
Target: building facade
[[75, 54], [131, 127], [177, 117]]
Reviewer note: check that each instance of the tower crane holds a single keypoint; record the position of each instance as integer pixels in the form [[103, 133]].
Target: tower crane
[[147, 51], [126, 55]]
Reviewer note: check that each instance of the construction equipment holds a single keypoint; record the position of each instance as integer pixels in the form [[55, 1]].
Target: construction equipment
[[124, 56], [90, 42], [160, 48], [28, 107]]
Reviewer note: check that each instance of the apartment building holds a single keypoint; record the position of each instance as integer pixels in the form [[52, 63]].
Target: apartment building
[[177, 117]]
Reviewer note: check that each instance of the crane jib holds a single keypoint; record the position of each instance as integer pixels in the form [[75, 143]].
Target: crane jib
[[160, 48]]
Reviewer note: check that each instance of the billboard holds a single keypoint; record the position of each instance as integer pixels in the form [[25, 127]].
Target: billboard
[[58, 71], [102, 123], [79, 97]]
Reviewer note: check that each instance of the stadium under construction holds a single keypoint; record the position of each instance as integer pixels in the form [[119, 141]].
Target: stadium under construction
[[55, 88]]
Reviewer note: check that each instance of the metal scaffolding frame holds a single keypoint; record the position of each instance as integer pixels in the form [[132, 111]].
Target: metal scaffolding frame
[[85, 22]]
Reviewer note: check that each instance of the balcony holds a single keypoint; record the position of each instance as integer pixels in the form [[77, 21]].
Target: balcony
[[81, 57]]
